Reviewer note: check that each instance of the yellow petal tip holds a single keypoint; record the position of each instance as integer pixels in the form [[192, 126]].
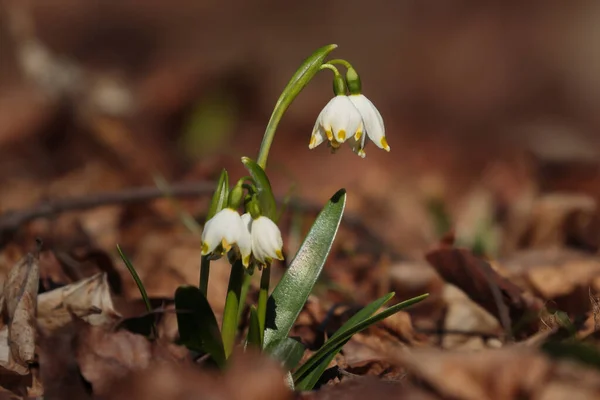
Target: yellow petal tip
[[204, 248], [279, 254], [384, 144], [341, 135]]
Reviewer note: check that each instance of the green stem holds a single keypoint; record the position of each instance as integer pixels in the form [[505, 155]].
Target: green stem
[[244, 295], [299, 80], [204, 273], [263, 296], [232, 302], [330, 67], [341, 62]]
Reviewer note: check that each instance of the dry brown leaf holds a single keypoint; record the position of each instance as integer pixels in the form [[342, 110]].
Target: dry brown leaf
[[503, 374], [368, 388], [465, 316], [564, 276], [554, 220], [476, 278], [250, 376], [88, 299], [19, 306], [105, 356]]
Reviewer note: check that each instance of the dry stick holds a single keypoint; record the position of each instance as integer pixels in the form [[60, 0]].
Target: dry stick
[[11, 221]]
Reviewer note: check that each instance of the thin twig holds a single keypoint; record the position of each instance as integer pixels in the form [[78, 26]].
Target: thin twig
[[11, 221]]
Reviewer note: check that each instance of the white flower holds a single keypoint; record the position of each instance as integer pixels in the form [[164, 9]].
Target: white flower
[[349, 118], [338, 121], [266, 238], [372, 121], [227, 229]]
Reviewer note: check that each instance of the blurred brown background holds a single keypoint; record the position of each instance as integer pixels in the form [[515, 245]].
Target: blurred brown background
[[480, 99]]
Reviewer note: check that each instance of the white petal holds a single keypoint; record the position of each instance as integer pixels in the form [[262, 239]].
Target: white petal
[[247, 218], [318, 135], [210, 238], [244, 243], [342, 117], [227, 226], [358, 146], [372, 119], [266, 240]]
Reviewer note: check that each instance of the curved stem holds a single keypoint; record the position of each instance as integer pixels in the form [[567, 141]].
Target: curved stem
[[331, 67], [341, 62], [299, 80]]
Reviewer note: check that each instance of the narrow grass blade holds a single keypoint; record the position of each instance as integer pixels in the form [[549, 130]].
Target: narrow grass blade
[[304, 377]]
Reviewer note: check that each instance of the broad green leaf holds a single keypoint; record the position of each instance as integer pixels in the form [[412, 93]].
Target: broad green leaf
[[319, 361], [303, 378], [299, 80], [289, 351], [198, 329], [265, 194], [254, 329], [289, 296], [219, 199]]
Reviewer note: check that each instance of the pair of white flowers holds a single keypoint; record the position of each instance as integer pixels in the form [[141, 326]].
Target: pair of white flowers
[[349, 118], [257, 238]]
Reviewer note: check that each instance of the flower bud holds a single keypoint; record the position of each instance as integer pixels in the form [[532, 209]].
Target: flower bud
[[236, 196]]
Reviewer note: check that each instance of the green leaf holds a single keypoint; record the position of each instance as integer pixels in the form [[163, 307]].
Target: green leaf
[[198, 329], [254, 329], [303, 377], [299, 80], [265, 194], [219, 199], [139, 284], [289, 351], [289, 296], [319, 361]]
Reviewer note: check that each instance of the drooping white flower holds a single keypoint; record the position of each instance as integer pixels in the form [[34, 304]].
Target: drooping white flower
[[227, 229], [266, 238], [349, 118], [338, 121], [372, 122]]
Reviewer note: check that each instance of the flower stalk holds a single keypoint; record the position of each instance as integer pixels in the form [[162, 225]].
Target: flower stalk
[[232, 304], [263, 296], [299, 80]]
